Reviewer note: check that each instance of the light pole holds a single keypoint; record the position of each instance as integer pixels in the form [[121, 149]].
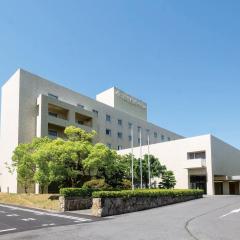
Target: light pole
[[149, 165], [132, 157], [140, 136]]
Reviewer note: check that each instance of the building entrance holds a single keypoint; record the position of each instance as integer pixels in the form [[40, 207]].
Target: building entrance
[[218, 188], [198, 182], [233, 188]]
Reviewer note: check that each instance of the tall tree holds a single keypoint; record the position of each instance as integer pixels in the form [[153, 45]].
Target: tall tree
[[23, 162], [168, 180]]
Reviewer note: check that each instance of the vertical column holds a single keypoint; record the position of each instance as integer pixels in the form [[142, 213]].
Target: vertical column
[[42, 117], [71, 117], [225, 188], [210, 183]]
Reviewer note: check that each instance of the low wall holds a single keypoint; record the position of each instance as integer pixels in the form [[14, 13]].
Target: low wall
[[74, 203], [102, 207]]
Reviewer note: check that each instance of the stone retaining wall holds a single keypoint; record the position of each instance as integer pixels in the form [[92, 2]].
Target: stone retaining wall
[[74, 203], [102, 207]]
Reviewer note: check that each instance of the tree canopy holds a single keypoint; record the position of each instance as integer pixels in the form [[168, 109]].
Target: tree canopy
[[75, 160]]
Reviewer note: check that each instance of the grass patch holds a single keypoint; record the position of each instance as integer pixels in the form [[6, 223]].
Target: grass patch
[[30, 200]]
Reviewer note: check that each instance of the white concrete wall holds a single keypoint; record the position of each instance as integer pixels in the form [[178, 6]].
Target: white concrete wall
[[39, 86], [174, 155], [226, 158], [9, 131], [124, 102]]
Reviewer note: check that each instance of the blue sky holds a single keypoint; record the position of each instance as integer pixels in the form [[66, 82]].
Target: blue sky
[[181, 57]]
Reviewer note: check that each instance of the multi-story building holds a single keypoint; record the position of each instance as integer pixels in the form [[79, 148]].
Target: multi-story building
[[35, 107]]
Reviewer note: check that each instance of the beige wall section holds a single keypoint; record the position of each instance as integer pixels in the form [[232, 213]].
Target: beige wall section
[[174, 155], [226, 158], [122, 101], [9, 131], [40, 86]]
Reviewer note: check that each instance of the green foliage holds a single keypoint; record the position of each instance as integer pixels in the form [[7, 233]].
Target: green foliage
[[168, 180], [97, 184], [76, 192], [77, 134], [73, 161], [102, 163], [23, 162], [126, 184], [156, 168], [147, 193]]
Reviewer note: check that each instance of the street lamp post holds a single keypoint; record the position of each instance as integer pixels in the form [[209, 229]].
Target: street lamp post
[[149, 165], [132, 157], [141, 180]]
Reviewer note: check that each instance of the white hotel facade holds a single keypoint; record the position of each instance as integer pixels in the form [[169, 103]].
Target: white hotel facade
[[35, 107]]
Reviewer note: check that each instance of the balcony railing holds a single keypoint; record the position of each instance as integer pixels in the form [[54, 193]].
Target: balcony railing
[[195, 163]]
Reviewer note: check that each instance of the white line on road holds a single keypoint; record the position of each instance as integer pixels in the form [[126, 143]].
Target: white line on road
[[7, 230], [232, 212], [47, 225], [47, 213], [12, 215], [28, 219]]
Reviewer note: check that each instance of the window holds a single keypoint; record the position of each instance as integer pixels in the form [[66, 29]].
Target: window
[[155, 134], [120, 147], [80, 122], [139, 140], [80, 106], [162, 137], [109, 145], [108, 132], [119, 134], [52, 114], [52, 133], [95, 112], [169, 139], [108, 118], [197, 155], [129, 125], [139, 129], [129, 138], [120, 122], [52, 96]]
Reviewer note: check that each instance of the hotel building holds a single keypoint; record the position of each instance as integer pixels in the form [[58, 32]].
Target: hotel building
[[35, 107]]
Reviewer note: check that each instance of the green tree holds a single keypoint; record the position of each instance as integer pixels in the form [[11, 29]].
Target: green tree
[[23, 162], [61, 161], [168, 180], [102, 162], [156, 168], [77, 134]]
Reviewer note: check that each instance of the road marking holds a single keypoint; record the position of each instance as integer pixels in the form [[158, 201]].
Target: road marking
[[7, 230], [232, 212], [50, 224], [12, 215], [28, 219], [46, 213]]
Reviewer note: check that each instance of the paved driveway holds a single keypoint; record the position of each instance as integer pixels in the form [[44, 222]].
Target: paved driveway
[[215, 218], [16, 219]]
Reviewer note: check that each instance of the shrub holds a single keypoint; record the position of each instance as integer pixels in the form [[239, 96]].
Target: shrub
[[147, 193], [126, 184], [96, 184], [76, 192]]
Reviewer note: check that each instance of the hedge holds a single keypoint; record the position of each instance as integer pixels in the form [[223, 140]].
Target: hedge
[[76, 192], [147, 193]]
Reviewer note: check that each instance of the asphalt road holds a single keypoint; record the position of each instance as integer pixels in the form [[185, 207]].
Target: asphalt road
[[215, 218], [17, 219]]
